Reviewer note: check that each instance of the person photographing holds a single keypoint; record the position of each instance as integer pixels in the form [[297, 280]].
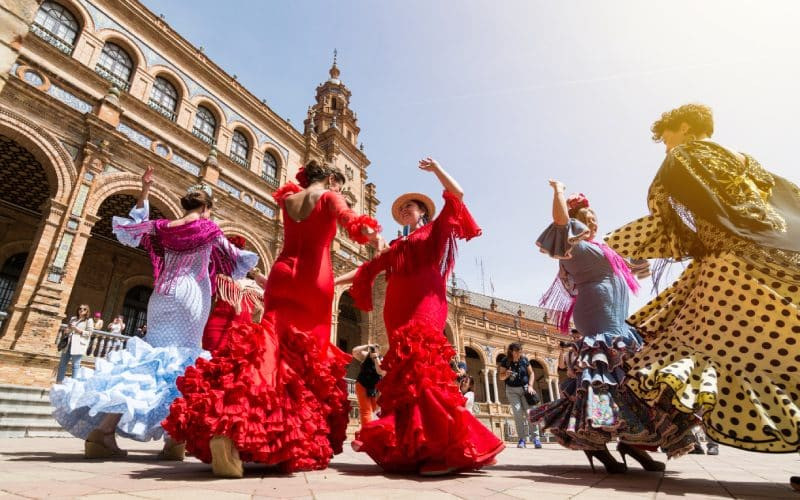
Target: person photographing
[[368, 377]]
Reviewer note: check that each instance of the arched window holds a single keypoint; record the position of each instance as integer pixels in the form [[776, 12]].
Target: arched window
[[240, 149], [164, 98], [134, 308], [57, 26], [205, 125], [115, 65], [269, 169], [9, 276]]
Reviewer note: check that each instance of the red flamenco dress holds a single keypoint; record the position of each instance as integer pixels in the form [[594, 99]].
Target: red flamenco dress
[[424, 424], [234, 300], [277, 388]]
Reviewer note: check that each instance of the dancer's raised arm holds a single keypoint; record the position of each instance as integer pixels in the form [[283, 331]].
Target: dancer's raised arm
[[560, 210], [449, 184], [147, 181]]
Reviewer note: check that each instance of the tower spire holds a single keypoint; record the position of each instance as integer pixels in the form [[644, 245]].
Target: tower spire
[[334, 71]]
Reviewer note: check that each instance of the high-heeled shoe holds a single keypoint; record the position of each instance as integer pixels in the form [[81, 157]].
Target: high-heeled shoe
[[608, 461], [436, 469], [794, 482], [225, 461], [640, 456], [95, 446], [173, 451]]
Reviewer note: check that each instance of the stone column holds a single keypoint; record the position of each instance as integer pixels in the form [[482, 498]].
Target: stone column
[[496, 386], [486, 385]]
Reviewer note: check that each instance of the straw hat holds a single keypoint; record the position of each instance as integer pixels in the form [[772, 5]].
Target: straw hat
[[418, 197]]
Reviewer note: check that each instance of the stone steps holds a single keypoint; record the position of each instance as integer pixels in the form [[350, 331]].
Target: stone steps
[[26, 412]]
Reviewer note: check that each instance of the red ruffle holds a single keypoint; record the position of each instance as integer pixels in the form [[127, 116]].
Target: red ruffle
[[355, 226], [464, 225], [287, 189], [424, 420], [275, 409]]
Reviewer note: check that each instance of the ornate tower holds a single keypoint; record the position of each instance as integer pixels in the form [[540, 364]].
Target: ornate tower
[[333, 126]]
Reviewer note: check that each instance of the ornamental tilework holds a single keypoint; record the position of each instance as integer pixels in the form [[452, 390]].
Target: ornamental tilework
[[69, 99]]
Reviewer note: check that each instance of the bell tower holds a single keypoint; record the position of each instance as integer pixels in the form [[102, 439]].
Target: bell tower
[[333, 126]]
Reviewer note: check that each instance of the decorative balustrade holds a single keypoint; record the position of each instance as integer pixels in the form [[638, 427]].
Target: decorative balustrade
[[101, 343], [202, 135], [166, 112], [51, 38], [111, 77], [272, 181]]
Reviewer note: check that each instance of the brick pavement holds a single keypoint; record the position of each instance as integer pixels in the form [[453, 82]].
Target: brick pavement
[[42, 467]]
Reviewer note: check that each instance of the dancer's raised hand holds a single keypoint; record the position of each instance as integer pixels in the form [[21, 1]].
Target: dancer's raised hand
[[429, 165], [557, 186], [147, 176]]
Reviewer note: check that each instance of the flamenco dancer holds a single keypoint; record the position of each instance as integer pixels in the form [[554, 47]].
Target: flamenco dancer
[[130, 392], [424, 427], [235, 300], [723, 339], [592, 289], [275, 393]]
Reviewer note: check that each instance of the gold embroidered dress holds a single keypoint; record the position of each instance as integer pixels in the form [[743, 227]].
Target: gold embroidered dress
[[722, 341]]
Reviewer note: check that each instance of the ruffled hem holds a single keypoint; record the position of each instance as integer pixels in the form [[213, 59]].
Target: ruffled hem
[[595, 406], [557, 241], [260, 391], [689, 382], [355, 226], [424, 419], [138, 383]]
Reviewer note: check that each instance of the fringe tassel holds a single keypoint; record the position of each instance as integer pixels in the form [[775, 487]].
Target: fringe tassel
[[228, 291], [559, 303]]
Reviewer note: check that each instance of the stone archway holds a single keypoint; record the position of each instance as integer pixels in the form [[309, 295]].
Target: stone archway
[[348, 330], [107, 265], [541, 379], [476, 369]]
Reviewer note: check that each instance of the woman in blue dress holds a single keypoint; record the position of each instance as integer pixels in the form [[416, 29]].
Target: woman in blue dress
[[592, 289], [130, 392]]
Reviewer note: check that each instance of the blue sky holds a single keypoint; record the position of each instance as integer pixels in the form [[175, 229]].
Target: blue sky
[[508, 94]]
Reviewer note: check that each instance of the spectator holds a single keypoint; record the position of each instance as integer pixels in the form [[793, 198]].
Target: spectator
[[117, 325], [468, 390], [517, 372], [98, 321], [141, 331], [77, 334], [368, 377]]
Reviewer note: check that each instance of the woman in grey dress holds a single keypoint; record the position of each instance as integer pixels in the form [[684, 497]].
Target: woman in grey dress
[[592, 289]]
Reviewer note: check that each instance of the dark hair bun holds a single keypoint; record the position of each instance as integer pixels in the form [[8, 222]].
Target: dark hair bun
[[316, 173], [196, 199]]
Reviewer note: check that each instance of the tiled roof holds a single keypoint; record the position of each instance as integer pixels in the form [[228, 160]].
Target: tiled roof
[[504, 306]]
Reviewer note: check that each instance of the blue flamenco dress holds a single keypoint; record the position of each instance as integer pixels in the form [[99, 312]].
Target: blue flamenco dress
[[595, 407], [138, 382]]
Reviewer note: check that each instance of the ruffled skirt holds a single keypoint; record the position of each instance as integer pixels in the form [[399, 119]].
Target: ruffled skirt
[[280, 400], [423, 418], [724, 342], [596, 407], [137, 382]]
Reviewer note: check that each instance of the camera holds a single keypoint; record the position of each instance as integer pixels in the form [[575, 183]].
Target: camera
[[373, 348], [565, 344]]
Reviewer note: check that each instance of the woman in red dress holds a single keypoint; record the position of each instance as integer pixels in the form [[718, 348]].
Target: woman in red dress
[[275, 393], [235, 300], [424, 427]]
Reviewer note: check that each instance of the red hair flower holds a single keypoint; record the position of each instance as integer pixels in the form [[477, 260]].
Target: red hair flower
[[302, 178], [576, 201], [237, 241]]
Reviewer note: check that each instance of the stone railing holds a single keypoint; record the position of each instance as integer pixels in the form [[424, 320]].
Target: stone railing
[[498, 409], [101, 343]]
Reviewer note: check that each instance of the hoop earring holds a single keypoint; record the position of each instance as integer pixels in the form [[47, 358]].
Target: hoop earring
[[691, 137]]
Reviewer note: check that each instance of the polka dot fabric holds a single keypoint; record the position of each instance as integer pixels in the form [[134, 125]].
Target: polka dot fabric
[[723, 339]]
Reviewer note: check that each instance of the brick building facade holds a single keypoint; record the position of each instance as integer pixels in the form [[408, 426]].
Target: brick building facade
[[101, 89]]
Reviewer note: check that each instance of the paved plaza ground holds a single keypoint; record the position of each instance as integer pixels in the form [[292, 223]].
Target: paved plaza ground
[[40, 467]]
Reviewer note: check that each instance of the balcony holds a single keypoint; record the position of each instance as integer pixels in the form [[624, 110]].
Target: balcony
[[240, 160], [111, 77], [166, 112], [272, 181], [202, 135], [100, 343], [47, 36]]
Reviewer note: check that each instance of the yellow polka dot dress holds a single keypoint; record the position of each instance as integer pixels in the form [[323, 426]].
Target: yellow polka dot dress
[[722, 341]]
